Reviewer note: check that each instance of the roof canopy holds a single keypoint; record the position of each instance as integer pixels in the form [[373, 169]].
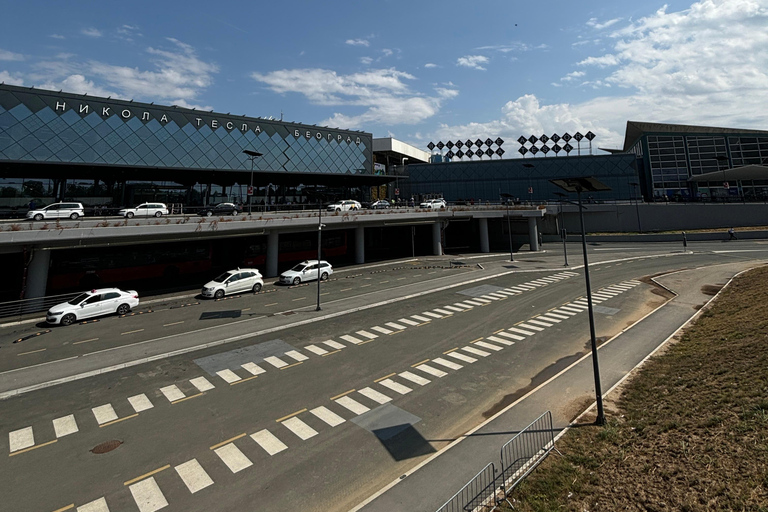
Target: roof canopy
[[746, 173]]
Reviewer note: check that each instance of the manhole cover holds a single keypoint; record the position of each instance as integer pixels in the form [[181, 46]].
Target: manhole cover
[[106, 446]]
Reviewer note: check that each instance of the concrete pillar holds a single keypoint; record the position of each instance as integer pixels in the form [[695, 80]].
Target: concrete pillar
[[272, 252], [437, 245], [37, 274], [533, 233], [484, 245], [359, 245]]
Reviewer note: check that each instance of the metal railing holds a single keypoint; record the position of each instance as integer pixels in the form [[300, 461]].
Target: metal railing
[[22, 307], [518, 456]]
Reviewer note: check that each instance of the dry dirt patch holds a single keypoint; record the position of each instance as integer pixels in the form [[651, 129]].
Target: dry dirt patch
[[688, 432]]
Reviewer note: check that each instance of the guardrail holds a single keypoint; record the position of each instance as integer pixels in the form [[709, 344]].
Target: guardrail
[[518, 456], [22, 307]]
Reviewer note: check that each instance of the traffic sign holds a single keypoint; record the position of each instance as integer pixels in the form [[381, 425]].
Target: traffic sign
[[397, 191], [250, 191]]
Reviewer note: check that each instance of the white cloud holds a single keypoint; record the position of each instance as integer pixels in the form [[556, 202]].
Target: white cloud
[[128, 32], [358, 42], [570, 77], [57, 36], [602, 61], [430, 65], [10, 79], [91, 32], [382, 94], [366, 60], [78, 84], [6, 55], [600, 26], [387, 52], [472, 61], [506, 48]]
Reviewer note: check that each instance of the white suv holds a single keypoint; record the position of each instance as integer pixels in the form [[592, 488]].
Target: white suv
[[433, 204], [58, 211], [234, 281], [306, 271], [343, 206], [145, 210]]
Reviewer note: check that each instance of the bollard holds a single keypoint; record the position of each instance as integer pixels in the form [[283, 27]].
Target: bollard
[[685, 243]]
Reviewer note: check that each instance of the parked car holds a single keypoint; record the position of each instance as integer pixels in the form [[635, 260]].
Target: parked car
[[145, 210], [104, 301], [234, 281], [433, 204], [343, 206], [58, 211], [381, 203], [306, 271], [219, 209]]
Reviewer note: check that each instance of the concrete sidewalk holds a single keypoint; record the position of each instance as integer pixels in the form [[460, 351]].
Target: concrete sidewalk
[[429, 485]]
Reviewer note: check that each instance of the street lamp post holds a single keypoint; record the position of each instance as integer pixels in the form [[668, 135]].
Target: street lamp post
[[319, 246], [636, 186], [723, 158], [508, 197], [563, 234], [579, 185], [252, 155]]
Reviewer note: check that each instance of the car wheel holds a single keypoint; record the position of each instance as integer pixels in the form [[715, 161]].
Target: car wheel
[[324, 276], [234, 212], [68, 319], [129, 215], [39, 216], [209, 213], [257, 288], [338, 209], [219, 294], [74, 216], [158, 214], [123, 309], [296, 281]]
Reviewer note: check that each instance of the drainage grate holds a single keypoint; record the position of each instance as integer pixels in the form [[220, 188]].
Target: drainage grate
[[106, 446]]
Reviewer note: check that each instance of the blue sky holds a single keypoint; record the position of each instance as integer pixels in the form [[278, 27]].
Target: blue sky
[[417, 71]]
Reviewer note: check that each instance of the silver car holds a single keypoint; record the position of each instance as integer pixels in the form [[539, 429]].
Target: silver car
[[104, 301], [145, 210], [240, 280], [58, 211]]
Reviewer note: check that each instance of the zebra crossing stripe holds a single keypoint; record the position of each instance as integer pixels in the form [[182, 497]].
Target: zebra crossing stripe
[[253, 368], [295, 354], [394, 386], [229, 376], [395, 326], [544, 318], [140, 402], [539, 322], [316, 350], [103, 414], [453, 309], [268, 442], [421, 318], [334, 344], [366, 334], [489, 346], [193, 475], [562, 312], [173, 393], [447, 364], [553, 314], [232, 456], [461, 357], [275, 361], [148, 496], [201, 383], [529, 326], [22, 438], [477, 352], [353, 405], [382, 330], [351, 339], [443, 311], [499, 340], [298, 427], [374, 395], [432, 371], [433, 315], [521, 331], [328, 416], [99, 505], [464, 305], [408, 322], [482, 300], [509, 335], [421, 381], [64, 426]]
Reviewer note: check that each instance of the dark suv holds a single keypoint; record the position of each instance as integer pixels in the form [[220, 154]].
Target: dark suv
[[219, 209]]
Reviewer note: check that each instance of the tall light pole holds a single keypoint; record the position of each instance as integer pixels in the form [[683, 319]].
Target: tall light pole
[[723, 158], [508, 198], [580, 185], [252, 155], [397, 184], [563, 232], [636, 186], [319, 246]]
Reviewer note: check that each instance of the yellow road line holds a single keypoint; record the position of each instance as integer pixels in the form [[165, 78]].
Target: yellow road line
[[382, 282], [32, 448], [400, 278], [417, 364], [118, 420], [291, 365], [85, 341], [300, 298], [62, 509], [395, 332], [346, 289], [31, 352], [497, 332], [329, 353], [146, 475], [385, 377], [449, 351], [326, 293], [174, 323], [341, 395], [273, 304], [187, 398], [131, 332], [227, 441], [242, 380], [475, 341], [363, 343], [291, 415]]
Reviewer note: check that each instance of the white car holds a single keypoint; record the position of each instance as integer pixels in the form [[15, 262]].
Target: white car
[[306, 271], [104, 301], [145, 210], [234, 281], [434, 204], [344, 206], [58, 211]]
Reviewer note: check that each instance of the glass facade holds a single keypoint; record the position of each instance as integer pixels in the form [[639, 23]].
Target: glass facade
[[46, 127]]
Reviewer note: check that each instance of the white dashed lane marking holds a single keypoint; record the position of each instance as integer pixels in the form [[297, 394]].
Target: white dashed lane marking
[[421, 381], [193, 475], [148, 496], [374, 395], [20, 439], [461, 357], [104, 413], [253, 368], [233, 457], [64, 426], [430, 370], [140, 402], [229, 376], [275, 361], [316, 350], [328, 416], [473, 350], [268, 442], [202, 384], [298, 427], [351, 339], [394, 386], [353, 405]]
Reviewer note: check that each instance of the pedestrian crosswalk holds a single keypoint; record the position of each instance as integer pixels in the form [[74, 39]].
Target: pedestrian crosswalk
[[147, 492]]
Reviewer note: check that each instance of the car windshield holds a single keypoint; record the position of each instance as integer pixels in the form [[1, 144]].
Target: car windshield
[[223, 277], [299, 267], [77, 300]]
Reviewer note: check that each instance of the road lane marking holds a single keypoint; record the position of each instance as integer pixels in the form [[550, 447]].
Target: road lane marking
[[31, 352], [365, 285], [140, 402], [118, 420], [174, 323], [131, 332], [298, 427], [453, 309], [172, 393], [104, 413], [351, 339], [421, 381], [447, 364], [291, 365], [449, 351], [85, 341], [433, 315], [334, 344], [68, 507], [353, 405], [562, 311], [394, 386], [295, 354], [328, 416], [187, 398], [275, 361], [300, 298], [521, 331], [20, 439], [462, 357], [219, 445], [420, 318], [253, 368], [65, 425], [202, 384], [99, 505], [489, 346], [148, 496], [329, 353], [431, 370], [464, 305], [273, 304], [146, 475], [341, 395], [374, 395], [476, 340], [32, 448], [473, 350], [346, 289], [407, 322], [539, 322], [529, 326], [268, 442], [420, 362], [316, 350], [233, 457], [395, 326], [326, 293], [472, 302], [383, 282], [508, 335], [500, 340], [193, 475], [385, 377], [243, 380], [366, 334], [382, 330]]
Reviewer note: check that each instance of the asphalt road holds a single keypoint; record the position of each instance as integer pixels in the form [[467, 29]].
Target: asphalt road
[[270, 405]]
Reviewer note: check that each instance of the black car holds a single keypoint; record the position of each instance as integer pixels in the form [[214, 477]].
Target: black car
[[219, 209]]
